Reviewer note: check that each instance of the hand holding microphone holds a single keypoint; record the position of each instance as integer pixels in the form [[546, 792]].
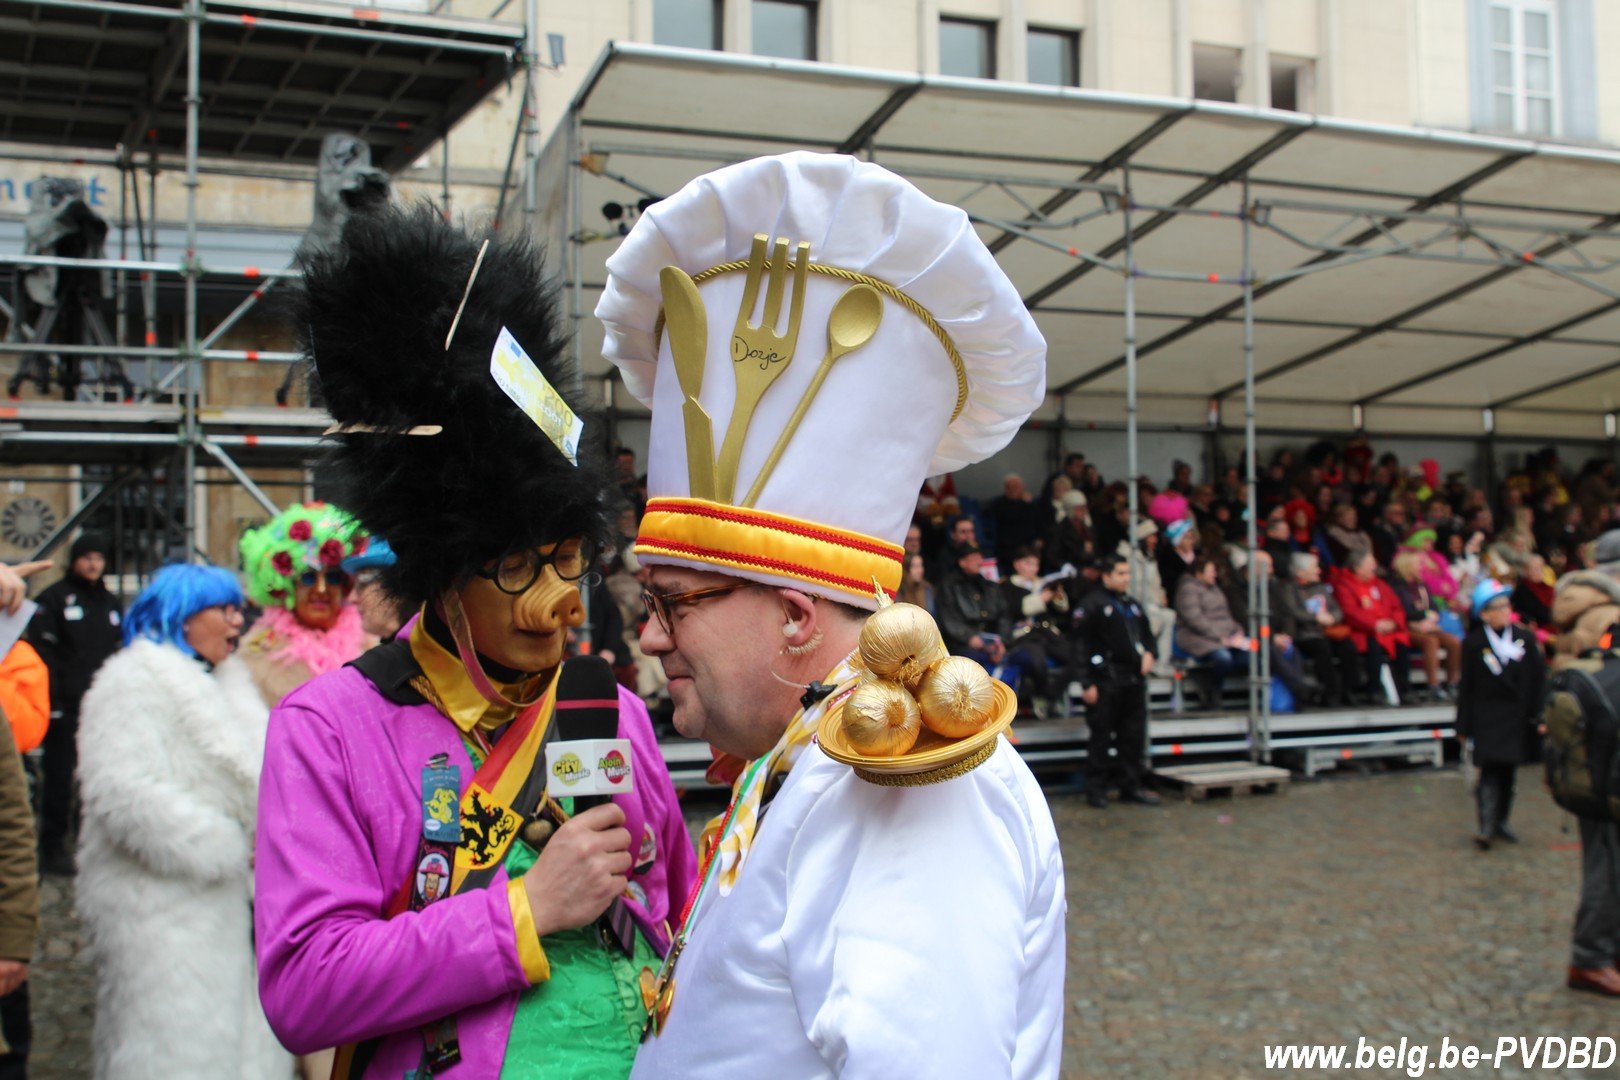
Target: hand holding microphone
[[586, 863], [580, 870]]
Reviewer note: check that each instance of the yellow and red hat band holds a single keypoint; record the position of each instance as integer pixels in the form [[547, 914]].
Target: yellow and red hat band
[[733, 537]]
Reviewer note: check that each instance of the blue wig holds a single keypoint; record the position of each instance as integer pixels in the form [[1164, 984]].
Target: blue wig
[[176, 594]]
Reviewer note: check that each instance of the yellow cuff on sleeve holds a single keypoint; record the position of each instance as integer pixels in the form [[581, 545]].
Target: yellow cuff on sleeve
[[535, 965]]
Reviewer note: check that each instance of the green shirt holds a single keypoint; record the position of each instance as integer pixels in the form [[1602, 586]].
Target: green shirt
[[583, 1023]]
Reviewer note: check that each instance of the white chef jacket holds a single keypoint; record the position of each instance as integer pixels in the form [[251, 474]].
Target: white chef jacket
[[879, 932]]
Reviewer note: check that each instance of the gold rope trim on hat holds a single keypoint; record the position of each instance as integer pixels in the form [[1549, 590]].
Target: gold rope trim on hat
[[881, 286], [930, 776]]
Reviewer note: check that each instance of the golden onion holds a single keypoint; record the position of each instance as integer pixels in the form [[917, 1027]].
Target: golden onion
[[901, 642], [881, 719], [956, 698]]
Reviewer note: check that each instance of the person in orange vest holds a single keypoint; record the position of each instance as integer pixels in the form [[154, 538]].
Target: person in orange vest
[[25, 695]]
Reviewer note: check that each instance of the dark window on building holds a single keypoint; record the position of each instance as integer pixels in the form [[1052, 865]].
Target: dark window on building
[[967, 47], [1293, 84], [1216, 70], [785, 28], [1054, 57], [694, 24]]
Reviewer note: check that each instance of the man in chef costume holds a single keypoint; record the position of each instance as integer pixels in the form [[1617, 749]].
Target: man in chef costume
[[815, 337]]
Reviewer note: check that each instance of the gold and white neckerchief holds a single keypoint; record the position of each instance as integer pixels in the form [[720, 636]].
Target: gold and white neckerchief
[[735, 842]]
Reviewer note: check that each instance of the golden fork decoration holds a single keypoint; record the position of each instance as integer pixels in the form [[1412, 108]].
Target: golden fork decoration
[[758, 353]]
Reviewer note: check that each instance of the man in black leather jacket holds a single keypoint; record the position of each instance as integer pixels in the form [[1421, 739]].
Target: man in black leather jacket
[[971, 610]]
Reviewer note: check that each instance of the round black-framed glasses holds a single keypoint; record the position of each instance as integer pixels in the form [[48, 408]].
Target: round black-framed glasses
[[516, 572]]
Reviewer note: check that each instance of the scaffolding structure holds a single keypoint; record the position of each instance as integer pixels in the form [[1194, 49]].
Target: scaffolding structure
[[1086, 197], [229, 88]]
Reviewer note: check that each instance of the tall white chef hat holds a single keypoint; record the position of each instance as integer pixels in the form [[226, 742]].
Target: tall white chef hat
[[953, 368]]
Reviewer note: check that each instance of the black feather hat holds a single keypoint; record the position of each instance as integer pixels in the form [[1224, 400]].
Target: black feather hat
[[375, 310]]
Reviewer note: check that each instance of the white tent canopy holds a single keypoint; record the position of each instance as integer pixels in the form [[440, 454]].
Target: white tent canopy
[[1450, 274]]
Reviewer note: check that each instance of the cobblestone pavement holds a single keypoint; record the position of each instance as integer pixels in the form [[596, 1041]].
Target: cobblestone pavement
[[1350, 907], [1347, 907]]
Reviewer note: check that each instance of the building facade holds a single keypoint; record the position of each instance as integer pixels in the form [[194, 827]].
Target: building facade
[[1519, 67]]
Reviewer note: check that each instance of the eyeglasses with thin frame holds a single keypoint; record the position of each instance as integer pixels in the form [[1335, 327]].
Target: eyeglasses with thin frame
[[516, 572], [662, 606]]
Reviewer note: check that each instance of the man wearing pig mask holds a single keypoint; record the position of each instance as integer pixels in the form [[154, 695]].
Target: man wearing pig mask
[[421, 903]]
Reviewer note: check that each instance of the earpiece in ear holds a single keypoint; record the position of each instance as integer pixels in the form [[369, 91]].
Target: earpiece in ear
[[789, 629]]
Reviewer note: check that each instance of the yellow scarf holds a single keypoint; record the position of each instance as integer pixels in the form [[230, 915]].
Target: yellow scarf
[[446, 685], [764, 775]]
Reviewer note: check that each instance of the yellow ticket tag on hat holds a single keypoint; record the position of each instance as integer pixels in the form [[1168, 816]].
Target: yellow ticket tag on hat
[[516, 374]]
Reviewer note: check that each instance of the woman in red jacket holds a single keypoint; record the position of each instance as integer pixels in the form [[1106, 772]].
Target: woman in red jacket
[[1376, 619]]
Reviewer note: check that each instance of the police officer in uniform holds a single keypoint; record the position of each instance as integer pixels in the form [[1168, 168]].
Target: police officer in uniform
[[1116, 637], [78, 625]]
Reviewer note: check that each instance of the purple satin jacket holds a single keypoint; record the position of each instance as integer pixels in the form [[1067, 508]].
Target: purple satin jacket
[[340, 813]]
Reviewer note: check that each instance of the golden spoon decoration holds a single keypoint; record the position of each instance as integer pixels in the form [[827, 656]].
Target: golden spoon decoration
[[854, 319]]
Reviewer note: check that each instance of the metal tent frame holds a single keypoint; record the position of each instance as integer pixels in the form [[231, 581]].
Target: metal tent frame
[[1504, 317]]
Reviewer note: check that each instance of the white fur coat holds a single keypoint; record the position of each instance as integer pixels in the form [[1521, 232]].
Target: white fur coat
[[169, 759]]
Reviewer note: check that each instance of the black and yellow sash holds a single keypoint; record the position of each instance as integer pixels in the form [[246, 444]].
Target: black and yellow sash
[[505, 792]]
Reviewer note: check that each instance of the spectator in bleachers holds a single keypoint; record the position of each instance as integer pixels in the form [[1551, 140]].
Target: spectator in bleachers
[[1376, 619], [1533, 595], [1061, 486], [1091, 481], [1231, 523], [1149, 588], [1205, 628], [1274, 482], [1388, 531], [1456, 493], [1324, 456], [914, 586], [959, 531], [1074, 468], [1176, 558], [971, 610], [1167, 506], [913, 544], [1275, 536], [1070, 542], [1344, 534], [1596, 493], [1016, 519], [1201, 504], [1480, 519], [1110, 517], [1439, 516], [1434, 570], [1563, 532], [1546, 473], [632, 487], [1322, 503], [1303, 533], [1038, 611], [1307, 615], [1230, 490], [1181, 481], [1423, 625], [1287, 664]]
